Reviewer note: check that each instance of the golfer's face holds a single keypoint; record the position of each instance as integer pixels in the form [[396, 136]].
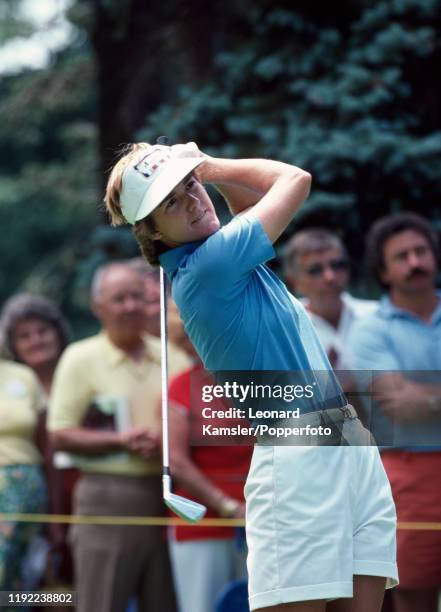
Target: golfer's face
[[186, 215]]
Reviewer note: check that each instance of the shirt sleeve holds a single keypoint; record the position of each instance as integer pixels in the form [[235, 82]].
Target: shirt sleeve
[[370, 346], [71, 393], [231, 254]]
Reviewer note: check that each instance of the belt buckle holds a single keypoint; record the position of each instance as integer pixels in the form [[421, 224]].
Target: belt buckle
[[347, 414]]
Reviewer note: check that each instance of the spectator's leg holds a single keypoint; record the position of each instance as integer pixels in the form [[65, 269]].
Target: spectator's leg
[[201, 569], [10, 559], [157, 591], [103, 580], [22, 489], [117, 561], [417, 600], [239, 554], [416, 486]]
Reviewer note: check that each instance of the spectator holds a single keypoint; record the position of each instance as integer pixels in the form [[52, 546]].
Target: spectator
[[401, 345], [150, 276], [204, 559], [35, 333], [103, 407], [22, 482], [316, 266]]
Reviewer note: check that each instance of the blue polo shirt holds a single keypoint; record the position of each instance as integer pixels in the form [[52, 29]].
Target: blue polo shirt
[[391, 340], [236, 311]]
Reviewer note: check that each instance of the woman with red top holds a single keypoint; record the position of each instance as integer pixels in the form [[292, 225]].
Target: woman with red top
[[204, 559]]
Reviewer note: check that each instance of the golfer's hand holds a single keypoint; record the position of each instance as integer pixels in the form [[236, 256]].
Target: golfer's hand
[[189, 149]]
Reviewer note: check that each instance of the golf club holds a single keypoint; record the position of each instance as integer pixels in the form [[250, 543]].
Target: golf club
[[187, 509]]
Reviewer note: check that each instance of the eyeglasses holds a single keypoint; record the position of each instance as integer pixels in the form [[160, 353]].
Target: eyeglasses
[[336, 265]]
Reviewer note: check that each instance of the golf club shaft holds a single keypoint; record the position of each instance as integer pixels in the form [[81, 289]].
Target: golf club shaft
[[164, 375]]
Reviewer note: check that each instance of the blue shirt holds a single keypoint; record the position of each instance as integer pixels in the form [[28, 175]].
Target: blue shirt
[[391, 340], [236, 311]]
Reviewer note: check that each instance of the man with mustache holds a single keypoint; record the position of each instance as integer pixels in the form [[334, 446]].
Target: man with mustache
[[400, 346]]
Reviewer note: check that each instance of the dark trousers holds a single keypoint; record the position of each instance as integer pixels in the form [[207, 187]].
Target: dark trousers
[[114, 564]]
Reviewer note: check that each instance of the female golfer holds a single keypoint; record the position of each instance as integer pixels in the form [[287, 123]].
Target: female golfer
[[320, 519]]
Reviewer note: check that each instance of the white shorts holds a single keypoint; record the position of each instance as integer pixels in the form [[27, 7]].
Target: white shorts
[[316, 516]]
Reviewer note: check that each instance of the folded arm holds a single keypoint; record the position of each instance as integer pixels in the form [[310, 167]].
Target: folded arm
[[406, 401], [138, 440]]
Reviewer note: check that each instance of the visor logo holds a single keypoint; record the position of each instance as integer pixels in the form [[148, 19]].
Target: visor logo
[[151, 162]]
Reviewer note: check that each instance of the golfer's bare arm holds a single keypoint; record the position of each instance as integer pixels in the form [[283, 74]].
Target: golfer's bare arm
[[270, 190]]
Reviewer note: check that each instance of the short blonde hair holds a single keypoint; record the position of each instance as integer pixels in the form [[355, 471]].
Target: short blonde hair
[[113, 189], [143, 229]]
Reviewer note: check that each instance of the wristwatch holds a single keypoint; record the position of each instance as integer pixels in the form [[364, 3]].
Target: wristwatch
[[435, 404]]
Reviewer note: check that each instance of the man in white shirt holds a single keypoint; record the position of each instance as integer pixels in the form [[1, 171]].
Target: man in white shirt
[[316, 266]]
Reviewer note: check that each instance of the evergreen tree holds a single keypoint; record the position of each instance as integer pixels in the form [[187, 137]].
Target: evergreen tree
[[351, 95]]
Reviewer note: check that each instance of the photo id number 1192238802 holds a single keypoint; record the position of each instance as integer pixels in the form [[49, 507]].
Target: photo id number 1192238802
[[37, 598]]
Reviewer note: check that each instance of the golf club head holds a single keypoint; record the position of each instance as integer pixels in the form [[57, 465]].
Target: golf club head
[[187, 509]]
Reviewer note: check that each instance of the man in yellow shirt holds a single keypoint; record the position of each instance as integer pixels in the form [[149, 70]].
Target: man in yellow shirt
[[104, 408]]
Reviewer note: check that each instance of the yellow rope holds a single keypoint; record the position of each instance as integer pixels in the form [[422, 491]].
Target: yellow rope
[[420, 526], [149, 521], [157, 521]]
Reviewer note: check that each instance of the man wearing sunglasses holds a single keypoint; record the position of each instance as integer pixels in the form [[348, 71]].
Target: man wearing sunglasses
[[316, 266]]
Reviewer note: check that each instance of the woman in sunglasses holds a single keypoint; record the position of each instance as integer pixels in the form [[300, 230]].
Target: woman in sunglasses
[[320, 519]]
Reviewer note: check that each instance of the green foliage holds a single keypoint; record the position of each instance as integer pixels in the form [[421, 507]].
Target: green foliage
[[48, 180], [351, 95], [12, 24], [355, 101]]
